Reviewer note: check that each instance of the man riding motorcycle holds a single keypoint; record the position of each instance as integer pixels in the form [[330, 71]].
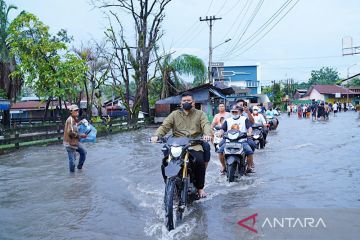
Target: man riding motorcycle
[[190, 122], [244, 126]]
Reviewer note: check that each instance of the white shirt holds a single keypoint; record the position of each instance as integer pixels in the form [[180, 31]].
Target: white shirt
[[259, 119], [335, 106], [240, 121]]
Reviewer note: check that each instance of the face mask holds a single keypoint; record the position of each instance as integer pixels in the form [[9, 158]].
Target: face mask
[[187, 106], [235, 116], [255, 112]]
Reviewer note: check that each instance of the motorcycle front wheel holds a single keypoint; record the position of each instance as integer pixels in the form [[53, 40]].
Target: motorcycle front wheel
[[173, 215]]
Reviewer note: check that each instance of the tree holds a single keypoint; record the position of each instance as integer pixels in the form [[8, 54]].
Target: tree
[[275, 92], [10, 86], [355, 82], [147, 16], [326, 75], [184, 64], [96, 75], [43, 60]]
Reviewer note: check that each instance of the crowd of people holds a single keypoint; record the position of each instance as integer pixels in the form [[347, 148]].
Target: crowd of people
[[317, 110]]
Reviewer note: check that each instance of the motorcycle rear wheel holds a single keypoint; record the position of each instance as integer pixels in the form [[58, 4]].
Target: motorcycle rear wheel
[[231, 169]]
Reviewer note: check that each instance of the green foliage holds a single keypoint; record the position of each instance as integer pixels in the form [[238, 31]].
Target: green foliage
[[171, 70], [355, 82], [9, 85], [302, 85], [275, 91], [154, 90], [43, 61], [326, 75], [190, 65], [4, 24], [3, 94]]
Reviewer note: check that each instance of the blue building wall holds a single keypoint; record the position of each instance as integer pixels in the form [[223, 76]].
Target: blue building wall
[[243, 76]]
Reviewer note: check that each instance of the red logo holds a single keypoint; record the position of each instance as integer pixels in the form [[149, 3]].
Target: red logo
[[250, 228]]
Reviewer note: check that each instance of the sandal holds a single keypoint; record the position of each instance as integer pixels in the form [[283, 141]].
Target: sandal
[[250, 170], [223, 171]]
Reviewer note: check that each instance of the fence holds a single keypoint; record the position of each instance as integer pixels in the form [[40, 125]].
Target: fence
[[28, 135]]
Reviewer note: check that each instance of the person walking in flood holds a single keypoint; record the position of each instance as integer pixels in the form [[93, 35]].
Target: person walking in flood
[[71, 139]]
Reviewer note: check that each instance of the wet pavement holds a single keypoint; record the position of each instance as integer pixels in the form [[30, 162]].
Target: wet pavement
[[119, 193]]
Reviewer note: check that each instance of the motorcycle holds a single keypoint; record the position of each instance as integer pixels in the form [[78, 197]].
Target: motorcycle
[[177, 171], [273, 122], [258, 135], [234, 154]]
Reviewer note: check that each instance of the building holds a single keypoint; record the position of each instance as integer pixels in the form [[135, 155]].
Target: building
[[207, 98], [299, 93], [116, 107], [328, 93], [33, 109], [356, 96], [245, 77]]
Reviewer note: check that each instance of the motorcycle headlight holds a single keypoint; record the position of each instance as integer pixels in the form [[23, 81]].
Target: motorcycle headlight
[[176, 151], [233, 136]]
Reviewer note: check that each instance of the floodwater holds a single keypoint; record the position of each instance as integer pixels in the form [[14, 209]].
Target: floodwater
[[119, 193]]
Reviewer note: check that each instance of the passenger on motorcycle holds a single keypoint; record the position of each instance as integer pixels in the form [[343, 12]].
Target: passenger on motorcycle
[[244, 126], [216, 122], [246, 113], [193, 123], [260, 120]]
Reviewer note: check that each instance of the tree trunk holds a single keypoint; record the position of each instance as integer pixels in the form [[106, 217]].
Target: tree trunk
[[47, 108], [6, 118]]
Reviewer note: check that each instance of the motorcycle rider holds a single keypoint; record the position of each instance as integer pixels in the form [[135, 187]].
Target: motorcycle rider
[[260, 120], [190, 121], [245, 127]]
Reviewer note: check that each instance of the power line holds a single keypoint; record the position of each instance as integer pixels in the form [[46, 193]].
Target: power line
[[246, 6], [221, 8], [269, 21], [268, 30], [189, 33], [251, 19], [209, 7], [294, 59]]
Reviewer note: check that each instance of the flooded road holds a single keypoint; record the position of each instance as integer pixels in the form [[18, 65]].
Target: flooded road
[[119, 193]]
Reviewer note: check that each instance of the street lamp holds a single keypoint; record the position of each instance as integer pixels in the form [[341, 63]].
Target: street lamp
[[348, 75], [210, 58], [348, 68], [227, 40]]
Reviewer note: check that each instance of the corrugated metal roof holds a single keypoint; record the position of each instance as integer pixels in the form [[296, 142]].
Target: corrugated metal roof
[[219, 90]]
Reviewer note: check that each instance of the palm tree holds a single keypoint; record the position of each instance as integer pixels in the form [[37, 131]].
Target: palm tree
[[186, 65], [8, 85]]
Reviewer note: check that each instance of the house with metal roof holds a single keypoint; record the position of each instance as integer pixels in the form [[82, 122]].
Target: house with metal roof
[[207, 97], [329, 93]]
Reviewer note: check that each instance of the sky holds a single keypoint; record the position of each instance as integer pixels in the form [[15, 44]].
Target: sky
[[305, 36]]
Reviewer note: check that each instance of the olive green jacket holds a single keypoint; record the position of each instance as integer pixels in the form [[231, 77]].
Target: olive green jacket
[[195, 124]]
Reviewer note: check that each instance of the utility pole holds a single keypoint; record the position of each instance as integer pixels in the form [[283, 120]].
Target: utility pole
[[210, 19]]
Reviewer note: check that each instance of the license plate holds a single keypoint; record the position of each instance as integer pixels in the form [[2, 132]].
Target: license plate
[[233, 145]]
